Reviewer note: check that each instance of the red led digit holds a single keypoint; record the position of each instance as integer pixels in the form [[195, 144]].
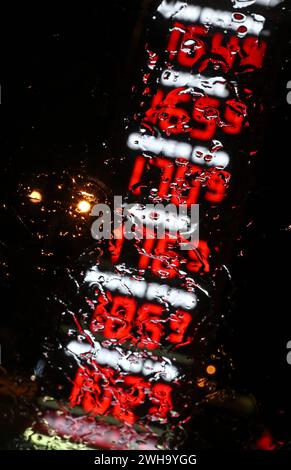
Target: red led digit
[[137, 172], [179, 322], [166, 262], [216, 186], [221, 55], [181, 185], [205, 113], [99, 400], [192, 47], [186, 44], [234, 115], [176, 97], [174, 40], [173, 121], [77, 390], [199, 258], [252, 53], [118, 323], [92, 390], [100, 314], [115, 249], [165, 113], [114, 323], [115, 245], [152, 114], [149, 325], [128, 396], [162, 400], [144, 259], [166, 175]]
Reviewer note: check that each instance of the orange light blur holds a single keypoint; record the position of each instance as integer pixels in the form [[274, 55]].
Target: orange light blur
[[201, 383], [211, 370], [35, 197], [84, 206]]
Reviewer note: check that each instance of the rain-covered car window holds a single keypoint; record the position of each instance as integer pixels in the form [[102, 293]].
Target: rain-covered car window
[[138, 177]]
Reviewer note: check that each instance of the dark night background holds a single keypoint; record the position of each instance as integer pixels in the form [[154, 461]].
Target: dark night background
[[66, 82]]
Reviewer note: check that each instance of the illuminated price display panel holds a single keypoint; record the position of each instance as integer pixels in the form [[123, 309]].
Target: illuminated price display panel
[[143, 331]]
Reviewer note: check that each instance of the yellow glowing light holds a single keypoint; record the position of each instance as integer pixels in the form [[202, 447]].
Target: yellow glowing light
[[41, 441], [201, 382], [84, 206], [35, 196], [211, 370]]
